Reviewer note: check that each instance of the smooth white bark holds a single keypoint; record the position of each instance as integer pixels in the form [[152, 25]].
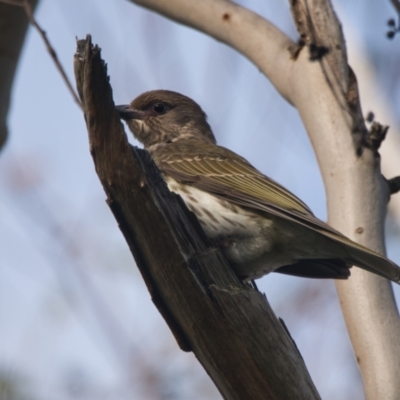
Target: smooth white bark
[[357, 198], [373, 99], [356, 192]]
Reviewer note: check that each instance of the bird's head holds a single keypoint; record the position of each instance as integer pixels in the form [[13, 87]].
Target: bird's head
[[163, 116]]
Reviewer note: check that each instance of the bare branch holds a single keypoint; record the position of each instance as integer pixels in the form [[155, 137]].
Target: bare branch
[[322, 33], [26, 4], [357, 199], [255, 37]]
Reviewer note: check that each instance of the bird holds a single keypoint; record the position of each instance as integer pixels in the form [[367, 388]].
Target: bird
[[260, 226]]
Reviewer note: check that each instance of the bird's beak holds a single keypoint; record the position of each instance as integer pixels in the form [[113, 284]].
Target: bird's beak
[[127, 113]]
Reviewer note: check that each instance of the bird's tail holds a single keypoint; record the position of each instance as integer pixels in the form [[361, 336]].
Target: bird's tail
[[365, 258], [373, 262]]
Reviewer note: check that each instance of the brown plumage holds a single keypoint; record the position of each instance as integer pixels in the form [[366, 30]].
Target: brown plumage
[[259, 225]]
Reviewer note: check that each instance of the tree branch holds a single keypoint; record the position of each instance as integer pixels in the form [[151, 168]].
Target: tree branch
[[255, 37], [229, 326], [29, 12], [357, 198], [15, 16], [326, 95]]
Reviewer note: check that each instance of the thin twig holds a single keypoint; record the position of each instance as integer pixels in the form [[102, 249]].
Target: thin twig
[[28, 10]]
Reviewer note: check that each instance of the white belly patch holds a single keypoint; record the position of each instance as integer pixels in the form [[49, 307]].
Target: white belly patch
[[217, 216], [247, 239]]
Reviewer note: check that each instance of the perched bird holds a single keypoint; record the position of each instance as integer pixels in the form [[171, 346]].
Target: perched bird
[[259, 225]]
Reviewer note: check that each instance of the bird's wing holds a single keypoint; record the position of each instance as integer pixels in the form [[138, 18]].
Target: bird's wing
[[223, 173]]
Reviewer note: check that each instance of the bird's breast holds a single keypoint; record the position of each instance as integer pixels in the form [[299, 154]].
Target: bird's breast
[[253, 243], [218, 217]]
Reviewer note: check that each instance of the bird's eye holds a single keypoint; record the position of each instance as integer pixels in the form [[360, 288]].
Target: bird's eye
[[159, 108]]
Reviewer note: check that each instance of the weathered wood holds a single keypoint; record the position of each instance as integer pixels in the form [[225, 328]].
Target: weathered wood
[[228, 325]]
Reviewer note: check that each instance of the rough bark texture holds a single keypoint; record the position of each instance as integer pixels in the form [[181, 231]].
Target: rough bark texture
[[229, 326]]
